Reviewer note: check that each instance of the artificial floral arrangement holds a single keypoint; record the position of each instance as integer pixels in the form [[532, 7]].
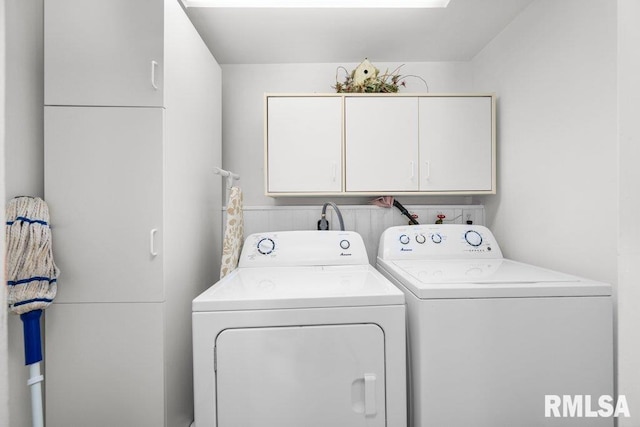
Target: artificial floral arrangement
[[366, 78]]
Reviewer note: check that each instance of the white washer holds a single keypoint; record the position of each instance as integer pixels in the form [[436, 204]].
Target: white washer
[[490, 337], [303, 333]]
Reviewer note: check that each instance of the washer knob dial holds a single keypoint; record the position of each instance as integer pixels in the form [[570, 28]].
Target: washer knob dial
[[436, 238], [345, 244], [404, 239], [266, 246], [473, 238], [421, 239]]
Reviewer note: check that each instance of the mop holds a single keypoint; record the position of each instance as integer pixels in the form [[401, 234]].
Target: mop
[[31, 277]]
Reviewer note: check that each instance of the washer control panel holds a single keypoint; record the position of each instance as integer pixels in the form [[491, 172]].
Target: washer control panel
[[303, 248], [438, 241]]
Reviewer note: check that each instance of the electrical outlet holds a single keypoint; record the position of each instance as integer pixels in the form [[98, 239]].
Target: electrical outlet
[[473, 214]]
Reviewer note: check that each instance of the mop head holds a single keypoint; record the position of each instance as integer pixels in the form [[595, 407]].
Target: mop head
[[31, 272]]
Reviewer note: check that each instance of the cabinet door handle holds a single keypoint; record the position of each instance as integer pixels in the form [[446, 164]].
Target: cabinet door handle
[[152, 242], [428, 170], [154, 65], [334, 170], [370, 394]]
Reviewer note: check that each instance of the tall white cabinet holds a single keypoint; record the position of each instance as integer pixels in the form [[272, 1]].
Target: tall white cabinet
[[132, 133]]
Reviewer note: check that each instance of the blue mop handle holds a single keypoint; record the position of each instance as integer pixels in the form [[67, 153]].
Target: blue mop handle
[[32, 341]]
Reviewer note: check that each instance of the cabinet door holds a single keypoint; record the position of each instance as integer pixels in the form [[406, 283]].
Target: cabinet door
[[314, 376], [103, 183], [304, 144], [381, 144], [101, 52], [105, 365], [456, 148]]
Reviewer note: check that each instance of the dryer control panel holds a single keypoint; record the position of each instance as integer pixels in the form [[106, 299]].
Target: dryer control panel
[[438, 241], [303, 248]]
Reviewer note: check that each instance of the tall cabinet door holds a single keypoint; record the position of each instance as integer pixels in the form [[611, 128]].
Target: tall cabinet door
[[101, 52], [382, 144], [304, 144], [103, 182], [105, 365], [456, 144]]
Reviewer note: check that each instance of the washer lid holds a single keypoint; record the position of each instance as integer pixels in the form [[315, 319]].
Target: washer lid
[[299, 287], [488, 278]]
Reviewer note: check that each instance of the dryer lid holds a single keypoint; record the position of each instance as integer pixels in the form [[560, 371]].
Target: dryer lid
[[488, 278], [299, 287]]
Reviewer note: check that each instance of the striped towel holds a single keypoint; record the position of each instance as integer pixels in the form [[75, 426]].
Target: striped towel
[[233, 233]]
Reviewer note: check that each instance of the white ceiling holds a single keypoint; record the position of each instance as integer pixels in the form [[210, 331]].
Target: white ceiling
[[271, 36]]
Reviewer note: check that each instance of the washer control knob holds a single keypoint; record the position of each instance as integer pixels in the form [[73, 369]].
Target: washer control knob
[[473, 238], [344, 244], [404, 239], [266, 246], [421, 239], [436, 238]]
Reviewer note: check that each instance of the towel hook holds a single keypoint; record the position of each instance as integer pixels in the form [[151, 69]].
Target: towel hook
[[230, 177]]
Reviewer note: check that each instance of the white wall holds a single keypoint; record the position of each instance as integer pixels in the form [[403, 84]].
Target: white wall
[[25, 97], [554, 71], [24, 158], [4, 353], [629, 210], [243, 92]]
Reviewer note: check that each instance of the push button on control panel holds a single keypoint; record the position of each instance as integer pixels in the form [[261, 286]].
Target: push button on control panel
[[344, 244], [404, 239]]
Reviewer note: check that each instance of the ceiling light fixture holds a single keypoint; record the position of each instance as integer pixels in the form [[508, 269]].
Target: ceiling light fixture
[[317, 3]]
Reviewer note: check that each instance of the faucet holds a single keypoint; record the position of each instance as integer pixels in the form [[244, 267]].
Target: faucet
[[323, 224]]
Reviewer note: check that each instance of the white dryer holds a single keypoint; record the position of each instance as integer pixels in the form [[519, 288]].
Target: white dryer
[[303, 333], [489, 338]]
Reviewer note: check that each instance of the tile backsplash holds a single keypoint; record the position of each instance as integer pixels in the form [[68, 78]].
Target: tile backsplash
[[368, 220]]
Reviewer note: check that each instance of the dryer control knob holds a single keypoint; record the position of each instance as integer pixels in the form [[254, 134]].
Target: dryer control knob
[[344, 244], [436, 238], [266, 246], [473, 238], [404, 239], [421, 239]]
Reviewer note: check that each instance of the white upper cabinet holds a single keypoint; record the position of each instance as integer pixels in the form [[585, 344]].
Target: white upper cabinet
[[94, 57], [417, 144], [456, 144], [304, 144], [381, 144]]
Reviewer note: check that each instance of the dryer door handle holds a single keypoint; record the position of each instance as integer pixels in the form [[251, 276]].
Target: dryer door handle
[[370, 394]]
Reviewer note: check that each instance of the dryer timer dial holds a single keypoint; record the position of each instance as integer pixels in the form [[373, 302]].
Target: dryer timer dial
[[266, 246]]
